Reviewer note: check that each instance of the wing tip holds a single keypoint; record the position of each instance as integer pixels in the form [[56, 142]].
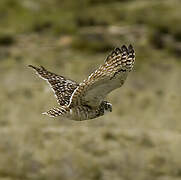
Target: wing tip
[[31, 66], [40, 67], [124, 49], [130, 48]]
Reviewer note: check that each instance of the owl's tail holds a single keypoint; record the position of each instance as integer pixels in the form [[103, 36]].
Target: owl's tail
[[58, 111]]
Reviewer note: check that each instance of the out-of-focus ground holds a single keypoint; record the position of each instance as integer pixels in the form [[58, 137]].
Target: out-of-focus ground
[[140, 139]]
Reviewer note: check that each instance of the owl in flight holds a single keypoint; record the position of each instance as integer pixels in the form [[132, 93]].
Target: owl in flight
[[85, 100]]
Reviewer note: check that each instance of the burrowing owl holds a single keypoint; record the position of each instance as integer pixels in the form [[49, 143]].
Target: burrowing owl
[[83, 101]]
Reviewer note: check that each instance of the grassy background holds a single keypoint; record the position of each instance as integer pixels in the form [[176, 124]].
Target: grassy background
[[140, 139]]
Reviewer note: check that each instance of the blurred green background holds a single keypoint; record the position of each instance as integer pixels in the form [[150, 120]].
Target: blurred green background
[[140, 139]]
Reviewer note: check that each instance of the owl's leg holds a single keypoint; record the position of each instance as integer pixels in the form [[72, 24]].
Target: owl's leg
[[58, 111]]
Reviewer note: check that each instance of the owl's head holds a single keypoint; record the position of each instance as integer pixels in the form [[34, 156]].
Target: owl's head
[[106, 106]]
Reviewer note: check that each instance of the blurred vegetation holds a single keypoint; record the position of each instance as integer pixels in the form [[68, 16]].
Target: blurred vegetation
[[140, 139]]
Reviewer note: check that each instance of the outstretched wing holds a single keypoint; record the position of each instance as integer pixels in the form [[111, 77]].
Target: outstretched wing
[[109, 76], [62, 87]]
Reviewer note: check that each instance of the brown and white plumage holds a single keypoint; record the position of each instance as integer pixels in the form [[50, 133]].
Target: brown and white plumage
[[86, 100], [62, 87]]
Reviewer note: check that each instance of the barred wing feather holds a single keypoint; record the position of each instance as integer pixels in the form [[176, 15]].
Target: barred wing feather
[[62, 87], [109, 76]]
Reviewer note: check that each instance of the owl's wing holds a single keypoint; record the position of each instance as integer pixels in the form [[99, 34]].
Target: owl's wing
[[109, 76], [62, 87]]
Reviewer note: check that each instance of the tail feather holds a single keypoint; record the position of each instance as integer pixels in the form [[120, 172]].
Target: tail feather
[[58, 111]]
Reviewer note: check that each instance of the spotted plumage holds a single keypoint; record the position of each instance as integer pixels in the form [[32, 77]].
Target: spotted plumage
[[82, 101], [62, 87]]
